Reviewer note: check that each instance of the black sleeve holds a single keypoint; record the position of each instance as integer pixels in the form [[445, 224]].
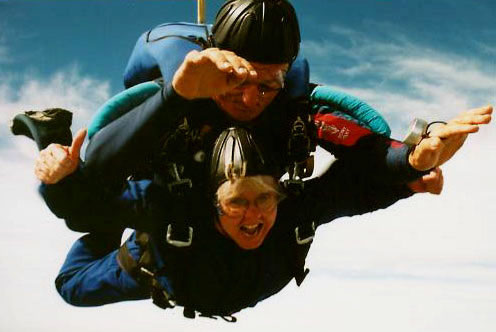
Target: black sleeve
[[87, 207], [342, 191], [116, 150]]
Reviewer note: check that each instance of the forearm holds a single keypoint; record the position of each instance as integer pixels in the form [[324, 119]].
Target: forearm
[[341, 191], [385, 159], [88, 207]]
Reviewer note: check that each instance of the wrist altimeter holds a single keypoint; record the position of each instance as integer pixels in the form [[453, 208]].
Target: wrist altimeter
[[418, 130]]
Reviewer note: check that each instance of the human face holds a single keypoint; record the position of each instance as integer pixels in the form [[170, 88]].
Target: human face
[[248, 217], [249, 99]]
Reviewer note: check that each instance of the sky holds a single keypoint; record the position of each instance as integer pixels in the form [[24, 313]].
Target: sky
[[426, 264]]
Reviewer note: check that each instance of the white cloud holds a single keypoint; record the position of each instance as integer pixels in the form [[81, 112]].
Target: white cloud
[[435, 251], [488, 49], [67, 89], [40, 240], [402, 79]]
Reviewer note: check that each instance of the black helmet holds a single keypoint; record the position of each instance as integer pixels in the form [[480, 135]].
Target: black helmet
[[235, 155], [265, 31]]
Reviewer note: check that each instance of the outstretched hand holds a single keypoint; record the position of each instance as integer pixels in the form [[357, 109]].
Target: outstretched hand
[[430, 183], [56, 161], [445, 140], [210, 73]]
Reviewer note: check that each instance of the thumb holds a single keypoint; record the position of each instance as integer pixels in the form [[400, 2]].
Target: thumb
[[77, 143]]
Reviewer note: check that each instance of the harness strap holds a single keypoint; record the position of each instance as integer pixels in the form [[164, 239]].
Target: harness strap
[[143, 272], [127, 262], [301, 143], [302, 242]]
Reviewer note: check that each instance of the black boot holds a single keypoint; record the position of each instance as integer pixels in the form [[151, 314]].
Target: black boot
[[44, 127]]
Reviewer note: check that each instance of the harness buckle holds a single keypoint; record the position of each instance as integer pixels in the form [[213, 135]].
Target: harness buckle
[[179, 243], [309, 238], [162, 299]]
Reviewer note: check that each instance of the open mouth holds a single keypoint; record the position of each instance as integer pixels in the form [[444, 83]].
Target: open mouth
[[252, 230]]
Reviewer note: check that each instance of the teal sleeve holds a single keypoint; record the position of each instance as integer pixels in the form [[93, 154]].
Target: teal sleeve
[[121, 104], [353, 107]]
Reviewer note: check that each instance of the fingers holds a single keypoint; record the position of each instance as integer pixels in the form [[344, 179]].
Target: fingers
[[453, 129], [430, 183], [445, 140], [486, 110], [434, 181], [55, 153], [211, 72], [238, 68], [473, 118], [77, 143], [229, 62], [465, 123], [52, 163], [476, 116], [56, 161]]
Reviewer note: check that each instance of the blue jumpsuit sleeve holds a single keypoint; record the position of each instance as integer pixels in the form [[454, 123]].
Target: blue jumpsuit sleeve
[[92, 276]]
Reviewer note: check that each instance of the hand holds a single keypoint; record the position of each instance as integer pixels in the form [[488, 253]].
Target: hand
[[445, 140], [430, 183], [210, 73], [56, 161]]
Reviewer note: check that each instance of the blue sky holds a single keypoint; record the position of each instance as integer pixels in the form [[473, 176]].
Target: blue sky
[[426, 264]]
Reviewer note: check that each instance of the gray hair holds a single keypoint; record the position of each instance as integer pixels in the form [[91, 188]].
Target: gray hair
[[260, 183]]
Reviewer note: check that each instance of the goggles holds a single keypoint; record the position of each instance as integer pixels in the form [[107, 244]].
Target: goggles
[[236, 207]]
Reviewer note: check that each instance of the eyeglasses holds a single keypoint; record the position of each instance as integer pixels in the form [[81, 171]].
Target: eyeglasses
[[268, 85], [263, 89], [236, 207]]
